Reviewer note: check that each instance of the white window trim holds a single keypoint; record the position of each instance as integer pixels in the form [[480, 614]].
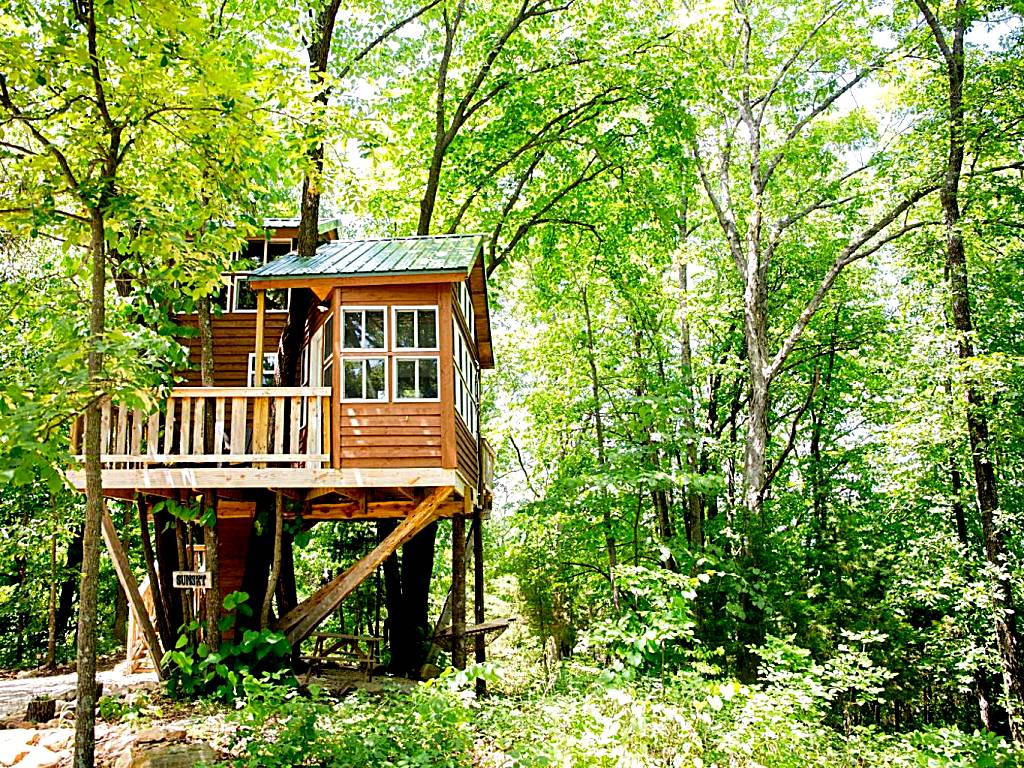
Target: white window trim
[[360, 358], [233, 291], [394, 383], [416, 326], [250, 369], [364, 351]]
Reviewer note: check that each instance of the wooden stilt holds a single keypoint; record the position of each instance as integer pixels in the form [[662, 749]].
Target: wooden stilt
[[459, 592], [131, 589], [478, 595], [300, 622]]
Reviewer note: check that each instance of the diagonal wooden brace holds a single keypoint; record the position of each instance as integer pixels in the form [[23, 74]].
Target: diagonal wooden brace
[[131, 589], [300, 622]]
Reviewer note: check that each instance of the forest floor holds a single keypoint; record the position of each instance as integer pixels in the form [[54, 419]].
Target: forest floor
[[17, 692]]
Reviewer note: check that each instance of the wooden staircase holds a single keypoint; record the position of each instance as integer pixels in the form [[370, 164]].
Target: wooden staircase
[[300, 622]]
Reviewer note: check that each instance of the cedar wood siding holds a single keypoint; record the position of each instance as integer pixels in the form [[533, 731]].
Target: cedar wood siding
[[393, 434], [234, 337]]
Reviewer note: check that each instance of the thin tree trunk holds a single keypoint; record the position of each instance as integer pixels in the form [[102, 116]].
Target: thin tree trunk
[[479, 644], [459, 592], [606, 520], [1006, 629], [85, 711], [275, 568]]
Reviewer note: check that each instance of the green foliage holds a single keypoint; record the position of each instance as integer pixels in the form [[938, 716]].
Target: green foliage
[[279, 726], [197, 670]]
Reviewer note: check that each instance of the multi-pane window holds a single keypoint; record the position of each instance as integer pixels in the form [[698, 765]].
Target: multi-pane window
[[364, 378], [416, 328], [467, 381], [416, 378], [269, 372], [244, 297], [466, 306], [363, 328]]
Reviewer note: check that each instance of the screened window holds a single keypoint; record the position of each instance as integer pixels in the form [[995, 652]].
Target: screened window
[[327, 343], [363, 328], [416, 378], [364, 379], [416, 328], [467, 381], [269, 372], [466, 307]]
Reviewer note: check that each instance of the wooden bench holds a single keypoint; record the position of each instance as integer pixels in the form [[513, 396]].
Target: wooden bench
[[360, 652]]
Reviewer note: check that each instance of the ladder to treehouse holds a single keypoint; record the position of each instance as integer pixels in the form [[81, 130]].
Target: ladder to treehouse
[[300, 622]]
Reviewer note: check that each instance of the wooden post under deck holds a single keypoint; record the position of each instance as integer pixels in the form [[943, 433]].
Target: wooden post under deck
[[458, 592], [478, 594], [335, 446]]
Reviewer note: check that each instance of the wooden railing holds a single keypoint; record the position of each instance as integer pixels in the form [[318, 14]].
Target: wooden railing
[[486, 466], [220, 426]]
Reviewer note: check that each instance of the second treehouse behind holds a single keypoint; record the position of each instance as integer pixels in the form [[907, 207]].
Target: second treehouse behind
[[378, 346]]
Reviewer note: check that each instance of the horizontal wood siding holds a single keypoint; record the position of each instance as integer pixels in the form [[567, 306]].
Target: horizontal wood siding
[[234, 337], [391, 435], [232, 549], [469, 458]]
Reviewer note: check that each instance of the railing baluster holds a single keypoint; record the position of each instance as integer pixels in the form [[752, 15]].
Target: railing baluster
[[313, 431], [172, 405], [121, 434], [278, 425], [218, 428], [199, 427], [293, 435], [105, 436], [186, 426], [136, 446], [238, 414], [153, 435]]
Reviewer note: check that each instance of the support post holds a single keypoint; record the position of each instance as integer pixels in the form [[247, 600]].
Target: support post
[[336, 381], [459, 592], [131, 589], [478, 595], [261, 307]]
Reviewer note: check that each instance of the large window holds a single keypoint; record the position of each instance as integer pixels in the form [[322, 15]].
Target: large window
[[466, 306], [363, 328], [415, 327], [416, 378], [268, 374], [467, 381], [364, 378]]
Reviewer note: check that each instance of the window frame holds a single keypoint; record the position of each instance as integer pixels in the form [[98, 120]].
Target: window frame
[[416, 308], [368, 351], [363, 359], [397, 398], [250, 370], [233, 297]]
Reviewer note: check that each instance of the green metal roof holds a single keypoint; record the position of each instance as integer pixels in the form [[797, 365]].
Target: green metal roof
[[395, 255]]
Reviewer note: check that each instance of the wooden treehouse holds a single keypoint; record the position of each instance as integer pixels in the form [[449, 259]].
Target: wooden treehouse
[[382, 421]]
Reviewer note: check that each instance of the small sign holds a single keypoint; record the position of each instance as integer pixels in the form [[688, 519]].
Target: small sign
[[191, 580]]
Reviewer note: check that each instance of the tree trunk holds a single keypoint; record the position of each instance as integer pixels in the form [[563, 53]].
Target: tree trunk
[[606, 520], [69, 585], [1006, 629], [459, 592], [479, 642], [275, 567], [51, 612], [85, 711]]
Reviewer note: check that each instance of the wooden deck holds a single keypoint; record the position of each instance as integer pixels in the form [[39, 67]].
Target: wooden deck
[[252, 439]]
